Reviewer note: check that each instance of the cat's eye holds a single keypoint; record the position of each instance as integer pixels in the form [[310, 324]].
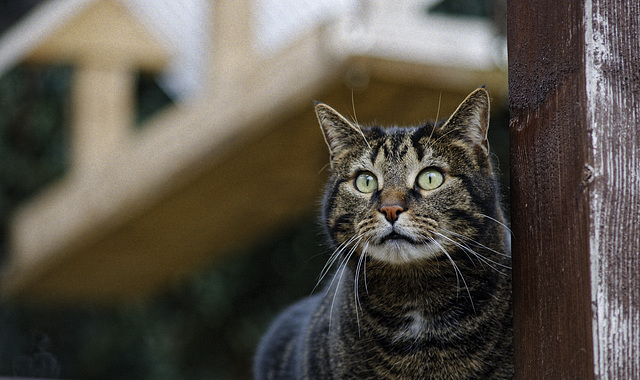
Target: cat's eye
[[366, 182], [430, 179]]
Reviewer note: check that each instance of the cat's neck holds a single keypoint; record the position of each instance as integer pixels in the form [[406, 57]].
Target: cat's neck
[[433, 288]]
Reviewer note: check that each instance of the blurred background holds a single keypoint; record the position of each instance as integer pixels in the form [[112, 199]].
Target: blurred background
[[161, 166]]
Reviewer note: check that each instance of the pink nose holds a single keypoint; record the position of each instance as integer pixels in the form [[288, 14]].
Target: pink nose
[[391, 212]]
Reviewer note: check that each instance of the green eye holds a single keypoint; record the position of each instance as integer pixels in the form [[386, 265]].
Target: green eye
[[430, 179], [366, 182]]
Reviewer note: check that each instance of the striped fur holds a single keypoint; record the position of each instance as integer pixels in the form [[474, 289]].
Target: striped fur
[[422, 288]]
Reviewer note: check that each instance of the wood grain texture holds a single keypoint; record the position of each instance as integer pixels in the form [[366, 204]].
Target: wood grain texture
[[613, 115], [575, 155], [549, 203]]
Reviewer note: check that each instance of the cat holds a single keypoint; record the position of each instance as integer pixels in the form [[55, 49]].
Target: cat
[[423, 286]]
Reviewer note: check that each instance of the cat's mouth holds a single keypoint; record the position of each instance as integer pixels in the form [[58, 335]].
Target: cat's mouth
[[394, 236]]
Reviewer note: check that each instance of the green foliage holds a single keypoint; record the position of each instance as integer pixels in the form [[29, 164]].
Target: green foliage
[[33, 140]]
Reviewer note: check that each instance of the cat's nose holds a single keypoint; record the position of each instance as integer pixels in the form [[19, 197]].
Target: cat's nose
[[391, 212]]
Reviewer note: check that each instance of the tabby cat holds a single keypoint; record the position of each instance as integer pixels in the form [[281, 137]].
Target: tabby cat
[[422, 288]]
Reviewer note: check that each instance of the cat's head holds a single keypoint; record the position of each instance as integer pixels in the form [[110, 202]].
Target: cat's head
[[402, 195]]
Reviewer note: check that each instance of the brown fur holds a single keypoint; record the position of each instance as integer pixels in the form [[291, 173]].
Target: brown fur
[[422, 289]]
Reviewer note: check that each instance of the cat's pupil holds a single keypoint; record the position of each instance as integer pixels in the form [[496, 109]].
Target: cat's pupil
[[430, 179]]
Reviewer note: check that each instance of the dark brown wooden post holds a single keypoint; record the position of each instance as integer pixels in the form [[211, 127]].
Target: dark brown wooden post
[[574, 83]]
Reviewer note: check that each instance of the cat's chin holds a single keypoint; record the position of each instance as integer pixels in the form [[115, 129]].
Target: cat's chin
[[402, 251]]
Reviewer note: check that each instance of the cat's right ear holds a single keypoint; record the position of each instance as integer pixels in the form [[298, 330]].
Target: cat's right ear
[[339, 133]]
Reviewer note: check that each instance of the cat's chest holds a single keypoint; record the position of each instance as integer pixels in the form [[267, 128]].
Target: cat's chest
[[414, 327]]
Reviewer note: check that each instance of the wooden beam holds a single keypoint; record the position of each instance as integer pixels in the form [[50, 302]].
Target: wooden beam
[[84, 220], [105, 33], [153, 212], [103, 115], [122, 246], [575, 155]]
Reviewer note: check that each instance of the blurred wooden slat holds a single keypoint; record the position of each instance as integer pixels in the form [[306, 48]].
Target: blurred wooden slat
[[103, 33]]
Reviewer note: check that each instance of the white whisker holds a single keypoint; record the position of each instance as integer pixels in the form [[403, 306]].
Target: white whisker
[[478, 244], [332, 260], [491, 263], [364, 253], [355, 289], [439, 104], [433, 128], [343, 265], [457, 271], [499, 222]]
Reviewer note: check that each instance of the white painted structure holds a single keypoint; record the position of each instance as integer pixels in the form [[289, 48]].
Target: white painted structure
[[238, 69]]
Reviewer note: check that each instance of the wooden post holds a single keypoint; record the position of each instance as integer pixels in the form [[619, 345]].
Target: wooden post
[[574, 83], [103, 114]]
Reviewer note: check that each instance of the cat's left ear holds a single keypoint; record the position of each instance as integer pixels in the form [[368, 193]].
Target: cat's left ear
[[471, 119], [339, 133]]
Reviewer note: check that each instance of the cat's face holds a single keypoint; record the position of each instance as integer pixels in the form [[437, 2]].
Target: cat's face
[[402, 195]]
